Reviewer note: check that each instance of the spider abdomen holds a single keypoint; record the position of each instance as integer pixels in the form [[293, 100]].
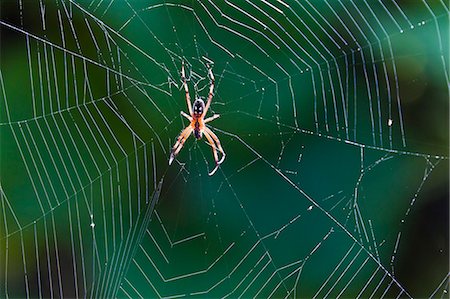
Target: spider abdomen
[[197, 130], [198, 134]]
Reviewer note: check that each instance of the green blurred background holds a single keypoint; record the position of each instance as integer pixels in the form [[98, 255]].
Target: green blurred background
[[334, 118]]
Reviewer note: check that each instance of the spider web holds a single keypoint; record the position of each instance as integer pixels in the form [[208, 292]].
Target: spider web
[[334, 118]]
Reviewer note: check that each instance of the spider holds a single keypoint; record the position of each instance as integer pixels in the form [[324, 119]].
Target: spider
[[197, 126]]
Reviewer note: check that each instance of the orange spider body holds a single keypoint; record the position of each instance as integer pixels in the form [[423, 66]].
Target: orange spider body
[[198, 122]]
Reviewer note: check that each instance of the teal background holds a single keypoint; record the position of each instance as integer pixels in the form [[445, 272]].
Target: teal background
[[318, 196]]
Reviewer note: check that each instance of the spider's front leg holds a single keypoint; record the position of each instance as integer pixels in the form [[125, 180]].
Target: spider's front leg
[[211, 89], [186, 89]]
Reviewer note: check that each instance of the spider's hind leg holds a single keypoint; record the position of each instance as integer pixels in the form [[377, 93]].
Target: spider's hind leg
[[179, 144], [213, 140]]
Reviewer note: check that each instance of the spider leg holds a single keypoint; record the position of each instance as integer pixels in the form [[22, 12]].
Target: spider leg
[[207, 120], [211, 89], [216, 139], [186, 89], [213, 145], [186, 115], [180, 142]]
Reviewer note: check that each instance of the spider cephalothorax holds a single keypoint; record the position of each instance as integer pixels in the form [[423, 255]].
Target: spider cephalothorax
[[197, 120], [198, 107]]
